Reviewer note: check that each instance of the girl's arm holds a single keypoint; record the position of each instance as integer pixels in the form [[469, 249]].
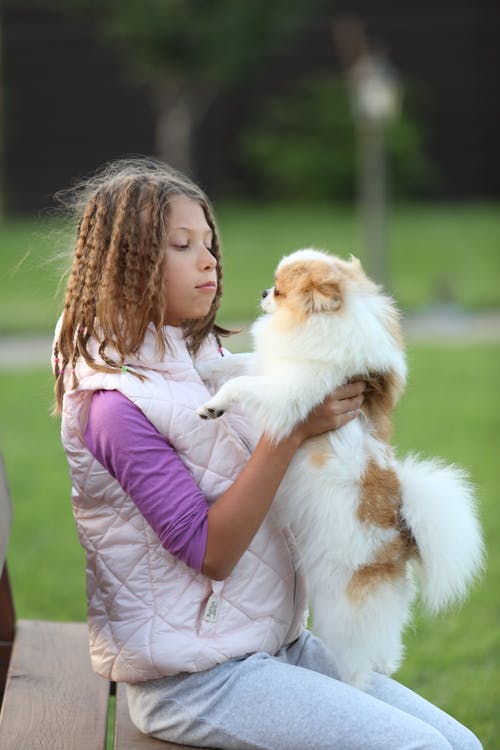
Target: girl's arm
[[151, 472], [234, 518], [211, 539]]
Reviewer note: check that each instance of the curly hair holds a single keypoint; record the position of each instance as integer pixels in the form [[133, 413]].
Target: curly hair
[[116, 285]]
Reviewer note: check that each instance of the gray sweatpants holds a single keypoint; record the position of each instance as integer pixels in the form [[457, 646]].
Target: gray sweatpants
[[291, 701]]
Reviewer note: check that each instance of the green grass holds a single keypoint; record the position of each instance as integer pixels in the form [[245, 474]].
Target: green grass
[[446, 253], [29, 275], [451, 409], [437, 252], [47, 565]]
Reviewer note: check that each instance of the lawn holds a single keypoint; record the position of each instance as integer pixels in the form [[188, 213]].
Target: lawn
[[451, 409], [438, 253], [444, 253]]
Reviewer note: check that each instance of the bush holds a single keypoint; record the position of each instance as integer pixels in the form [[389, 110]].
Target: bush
[[302, 144]]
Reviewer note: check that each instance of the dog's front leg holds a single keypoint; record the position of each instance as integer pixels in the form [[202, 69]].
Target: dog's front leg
[[274, 406], [221, 369], [245, 390]]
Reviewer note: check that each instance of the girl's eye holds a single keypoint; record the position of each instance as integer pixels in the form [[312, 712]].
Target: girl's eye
[[181, 247]]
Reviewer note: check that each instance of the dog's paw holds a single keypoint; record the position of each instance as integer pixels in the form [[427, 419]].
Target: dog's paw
[[209, 412]]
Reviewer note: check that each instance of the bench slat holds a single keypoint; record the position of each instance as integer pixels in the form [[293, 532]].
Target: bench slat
[[53, 699], [127, 737]]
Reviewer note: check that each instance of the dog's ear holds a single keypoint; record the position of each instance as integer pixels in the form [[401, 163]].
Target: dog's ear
[[355, 262], [325, 296]]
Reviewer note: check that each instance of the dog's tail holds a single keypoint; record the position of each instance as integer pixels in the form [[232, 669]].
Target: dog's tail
[[439, 507]]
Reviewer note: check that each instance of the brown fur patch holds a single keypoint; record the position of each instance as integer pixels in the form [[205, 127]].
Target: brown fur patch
[[319, 450], [308, 286], [319, 458], [295, 275], [380, 505], [388, 565], [380, 497], [382, 392]]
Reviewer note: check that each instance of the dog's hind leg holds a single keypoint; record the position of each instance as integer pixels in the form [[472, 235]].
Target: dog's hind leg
[[364, 633]]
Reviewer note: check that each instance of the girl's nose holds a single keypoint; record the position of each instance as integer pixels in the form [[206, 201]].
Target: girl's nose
[[207, 260]]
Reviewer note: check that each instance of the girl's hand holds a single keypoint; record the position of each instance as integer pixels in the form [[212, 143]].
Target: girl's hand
[[337, 410]]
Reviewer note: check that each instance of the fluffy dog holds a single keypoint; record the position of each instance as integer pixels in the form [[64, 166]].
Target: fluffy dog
[[370, 529]]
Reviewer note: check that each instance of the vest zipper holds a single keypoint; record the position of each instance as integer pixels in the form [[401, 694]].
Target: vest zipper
[[245, 442]]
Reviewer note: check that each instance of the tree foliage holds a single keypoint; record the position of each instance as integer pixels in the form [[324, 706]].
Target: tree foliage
[[302, 144], [216, 41], [186, 51]]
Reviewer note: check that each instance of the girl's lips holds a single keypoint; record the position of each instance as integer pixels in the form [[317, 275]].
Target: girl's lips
[[209, 286]]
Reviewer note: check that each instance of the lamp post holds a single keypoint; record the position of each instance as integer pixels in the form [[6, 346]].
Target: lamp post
[[376, 97]]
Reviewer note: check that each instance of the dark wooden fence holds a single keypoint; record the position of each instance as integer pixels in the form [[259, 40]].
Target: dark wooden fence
[[69, 104]]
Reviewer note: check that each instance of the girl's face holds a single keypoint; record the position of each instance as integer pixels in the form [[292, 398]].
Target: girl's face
[[190, 267]]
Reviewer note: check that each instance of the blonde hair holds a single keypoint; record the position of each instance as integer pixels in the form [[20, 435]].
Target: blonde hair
[[116, 284]]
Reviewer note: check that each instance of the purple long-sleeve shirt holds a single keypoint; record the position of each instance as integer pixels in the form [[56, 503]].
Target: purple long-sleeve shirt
[[148, 468]]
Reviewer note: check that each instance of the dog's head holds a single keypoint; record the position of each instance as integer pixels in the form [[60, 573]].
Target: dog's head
[[310, 281], [334, 312]]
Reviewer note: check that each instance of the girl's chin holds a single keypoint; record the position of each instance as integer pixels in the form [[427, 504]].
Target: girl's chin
[[197, 314]]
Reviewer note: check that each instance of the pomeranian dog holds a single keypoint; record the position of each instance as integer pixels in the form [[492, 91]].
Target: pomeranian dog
[[370, 529]]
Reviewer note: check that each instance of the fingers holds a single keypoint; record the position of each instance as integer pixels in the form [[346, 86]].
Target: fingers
[[337, 410], [344, 418], [345, 405], [347, 398], [350, 390], [333, 413]]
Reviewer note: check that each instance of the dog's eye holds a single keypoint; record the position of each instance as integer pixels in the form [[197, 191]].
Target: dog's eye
[[276, 292]]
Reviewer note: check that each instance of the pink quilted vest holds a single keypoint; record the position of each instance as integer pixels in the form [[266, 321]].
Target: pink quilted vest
[[149, 614]]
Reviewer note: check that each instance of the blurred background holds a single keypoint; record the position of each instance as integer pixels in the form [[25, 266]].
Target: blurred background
[[359, 126], [247, 97]]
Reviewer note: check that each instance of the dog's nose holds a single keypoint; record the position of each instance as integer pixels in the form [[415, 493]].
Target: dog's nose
[[265, 293]]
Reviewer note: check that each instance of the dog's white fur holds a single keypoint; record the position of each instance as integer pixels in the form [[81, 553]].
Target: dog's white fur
[[368, 526]]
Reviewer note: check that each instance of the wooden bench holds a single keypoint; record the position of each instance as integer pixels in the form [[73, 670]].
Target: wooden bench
[[50, 697]]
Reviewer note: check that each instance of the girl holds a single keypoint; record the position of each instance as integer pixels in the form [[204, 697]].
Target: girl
[[194, 596]]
